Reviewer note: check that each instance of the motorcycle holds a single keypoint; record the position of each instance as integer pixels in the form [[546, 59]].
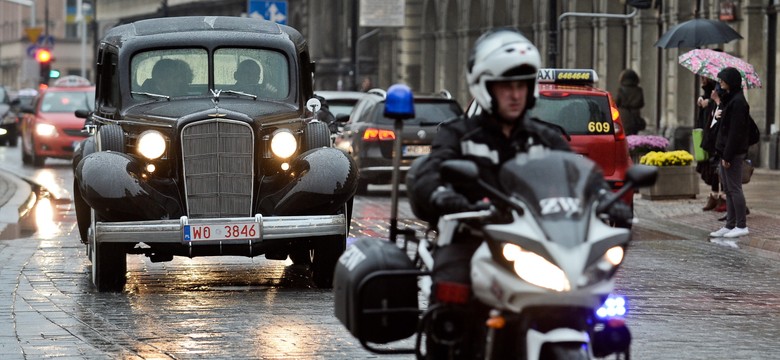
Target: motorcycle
[[542, 276]]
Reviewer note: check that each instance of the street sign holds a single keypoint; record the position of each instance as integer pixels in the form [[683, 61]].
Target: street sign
[[275, 11], [377, 13], [33, 33]]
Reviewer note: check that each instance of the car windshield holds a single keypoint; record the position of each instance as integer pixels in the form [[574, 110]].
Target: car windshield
[[344, 107], [67, 101], [577, 114], [260, 72], [183, 72], [425, 113]]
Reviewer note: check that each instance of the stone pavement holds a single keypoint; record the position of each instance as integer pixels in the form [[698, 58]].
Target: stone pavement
[[684, 218], [680, 218]]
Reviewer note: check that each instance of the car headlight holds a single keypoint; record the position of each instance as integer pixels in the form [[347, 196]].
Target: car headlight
[[45, 129], [603, 267], [535, 269], [151, 144], [283, 144]]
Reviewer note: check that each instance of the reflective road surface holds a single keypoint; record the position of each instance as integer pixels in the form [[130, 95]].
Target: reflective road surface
[[690, 299]]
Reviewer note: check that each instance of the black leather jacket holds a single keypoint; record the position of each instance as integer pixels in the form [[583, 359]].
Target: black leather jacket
[[479, 139]]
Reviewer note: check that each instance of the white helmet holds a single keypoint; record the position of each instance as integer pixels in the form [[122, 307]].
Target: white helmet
[[502, 55]]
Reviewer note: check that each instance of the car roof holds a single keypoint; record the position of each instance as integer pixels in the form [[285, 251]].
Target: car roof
[[194, 28]]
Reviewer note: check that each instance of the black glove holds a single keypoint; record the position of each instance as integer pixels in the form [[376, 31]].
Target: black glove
[[620, 214], [447, 201]]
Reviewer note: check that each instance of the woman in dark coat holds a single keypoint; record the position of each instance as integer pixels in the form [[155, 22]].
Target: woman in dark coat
[[630, 100], [731, 146]]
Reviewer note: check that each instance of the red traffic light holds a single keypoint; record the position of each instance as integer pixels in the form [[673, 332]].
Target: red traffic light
[[43, 55]]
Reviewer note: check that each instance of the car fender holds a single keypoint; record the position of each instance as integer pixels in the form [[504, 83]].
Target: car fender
[[112, 184], [323, 180], [85, 147]]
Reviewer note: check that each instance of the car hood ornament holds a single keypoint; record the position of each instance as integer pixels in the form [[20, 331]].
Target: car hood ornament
[[215, 100]]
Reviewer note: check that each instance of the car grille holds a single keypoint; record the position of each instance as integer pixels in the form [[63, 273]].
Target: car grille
[[218, 171]]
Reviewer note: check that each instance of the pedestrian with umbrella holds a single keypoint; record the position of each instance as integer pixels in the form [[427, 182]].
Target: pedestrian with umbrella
[[731, 146]]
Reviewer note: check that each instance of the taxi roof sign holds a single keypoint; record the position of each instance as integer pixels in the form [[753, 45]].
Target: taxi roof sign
[[567, 76], [72, 81]]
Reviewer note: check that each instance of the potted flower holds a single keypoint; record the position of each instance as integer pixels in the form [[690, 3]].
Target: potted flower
[[639, 145], [676, 177]]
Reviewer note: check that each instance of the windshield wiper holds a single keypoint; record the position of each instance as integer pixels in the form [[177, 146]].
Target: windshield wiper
[[241, 93], [159, 96]]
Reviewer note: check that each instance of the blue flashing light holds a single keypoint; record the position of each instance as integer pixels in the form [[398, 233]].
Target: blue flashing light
[[399, 102], [614, 306]]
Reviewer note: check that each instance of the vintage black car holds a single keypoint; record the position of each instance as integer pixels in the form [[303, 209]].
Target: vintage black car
[[205, 144]]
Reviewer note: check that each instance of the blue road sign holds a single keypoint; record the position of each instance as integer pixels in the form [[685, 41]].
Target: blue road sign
[[275, 11]]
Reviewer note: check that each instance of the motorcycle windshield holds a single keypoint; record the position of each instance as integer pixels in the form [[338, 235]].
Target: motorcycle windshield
[[558, 187]]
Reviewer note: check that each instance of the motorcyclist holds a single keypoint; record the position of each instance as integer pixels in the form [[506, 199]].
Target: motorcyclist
[[502, 78]]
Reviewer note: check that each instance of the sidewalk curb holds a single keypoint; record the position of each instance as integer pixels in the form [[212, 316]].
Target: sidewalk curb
[[17, 208]]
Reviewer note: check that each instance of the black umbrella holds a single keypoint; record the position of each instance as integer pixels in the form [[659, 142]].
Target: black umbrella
[[696, 33]]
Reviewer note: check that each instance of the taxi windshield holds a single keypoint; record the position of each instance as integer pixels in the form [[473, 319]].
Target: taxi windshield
[[577, 114], [67, 101]]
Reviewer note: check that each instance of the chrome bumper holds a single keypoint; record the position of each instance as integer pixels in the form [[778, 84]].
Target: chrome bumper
[[171, 231]]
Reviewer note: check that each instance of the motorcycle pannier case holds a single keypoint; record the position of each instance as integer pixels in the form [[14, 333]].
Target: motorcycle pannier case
[[375, 291]]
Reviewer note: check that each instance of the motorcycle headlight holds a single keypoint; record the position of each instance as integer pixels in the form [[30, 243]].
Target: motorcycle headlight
[[603, 267], [151, 144], [535, 269], [45, 129], [283, 144]]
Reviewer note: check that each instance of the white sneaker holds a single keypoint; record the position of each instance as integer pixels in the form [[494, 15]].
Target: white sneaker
[[736, 232], [720, 232]]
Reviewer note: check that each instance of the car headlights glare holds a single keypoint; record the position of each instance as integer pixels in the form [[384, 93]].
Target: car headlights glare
[[283, 144], [535, 269], [45, 129], [151, 144]]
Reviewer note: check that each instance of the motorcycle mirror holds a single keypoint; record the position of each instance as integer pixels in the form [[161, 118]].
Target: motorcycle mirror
[[642, 175], [462, 172]]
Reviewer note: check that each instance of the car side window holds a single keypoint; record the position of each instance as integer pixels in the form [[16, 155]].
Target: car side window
[[170, 72], [260, 72]]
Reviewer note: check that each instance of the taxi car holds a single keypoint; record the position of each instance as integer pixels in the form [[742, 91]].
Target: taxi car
[[368, 135], [588, 115], [205, 163], [49, 128]]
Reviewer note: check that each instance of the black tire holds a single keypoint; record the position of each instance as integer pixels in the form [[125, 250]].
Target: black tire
[[325, 254], [317, 135], [564, 351], [109, 266], [26, 159], [111, 137], [301, 256], [37, 161], [13, 141]]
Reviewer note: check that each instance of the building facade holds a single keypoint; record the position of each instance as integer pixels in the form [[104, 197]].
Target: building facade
[[429, 51]]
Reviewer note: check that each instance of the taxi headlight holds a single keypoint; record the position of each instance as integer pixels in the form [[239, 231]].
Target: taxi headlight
[[151, 144], [45, 129], [283, 144], [535, 269]]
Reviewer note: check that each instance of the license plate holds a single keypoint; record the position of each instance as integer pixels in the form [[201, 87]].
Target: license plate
[[416, 150], [221, 232]]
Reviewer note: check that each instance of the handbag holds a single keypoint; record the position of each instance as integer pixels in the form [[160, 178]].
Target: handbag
[[747, 170], [699, 154]]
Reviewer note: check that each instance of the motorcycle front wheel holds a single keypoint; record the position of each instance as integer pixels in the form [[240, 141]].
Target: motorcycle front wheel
[[564, 351]]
